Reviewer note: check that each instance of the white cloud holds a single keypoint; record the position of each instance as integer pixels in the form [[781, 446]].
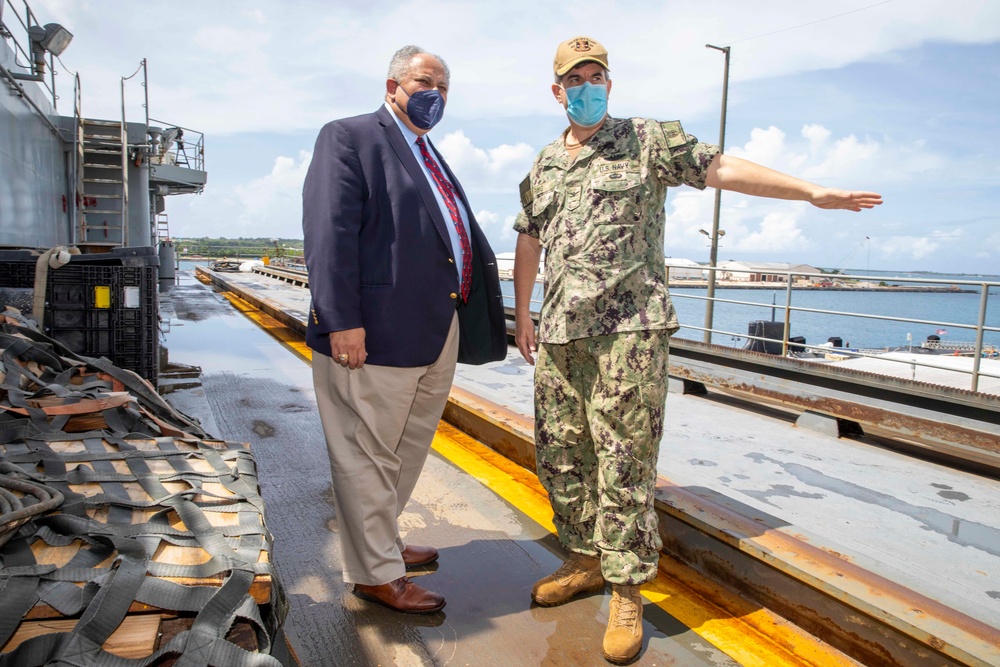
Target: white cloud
[[847, 162], [768, 147], [268, 206], [989, 249], [850, 161], [766, 226], [914, 247], [817, 136], [257, 16], [948, 235], [778, 232], [285, 69], [290, 65], [275, 201], [497, 169], [487, 219], [232, 42], [688, 207], [498, 229], [906, 247]]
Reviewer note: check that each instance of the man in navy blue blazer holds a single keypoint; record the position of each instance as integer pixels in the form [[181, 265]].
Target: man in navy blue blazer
[[403, 284]]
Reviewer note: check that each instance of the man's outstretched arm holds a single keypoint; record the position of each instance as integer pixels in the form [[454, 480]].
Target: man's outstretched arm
[[736, 175]]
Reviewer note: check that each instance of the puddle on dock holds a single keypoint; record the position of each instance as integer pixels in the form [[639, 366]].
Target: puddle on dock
[[202, 329]]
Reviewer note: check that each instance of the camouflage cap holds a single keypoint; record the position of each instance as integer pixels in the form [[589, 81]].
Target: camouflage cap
[[579, 50]]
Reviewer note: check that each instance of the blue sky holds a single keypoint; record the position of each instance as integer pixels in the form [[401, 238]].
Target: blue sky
[[899, 97]]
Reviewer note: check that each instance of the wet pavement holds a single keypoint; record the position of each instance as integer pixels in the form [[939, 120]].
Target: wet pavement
[[926, 526], [258, 391], [920, 526]]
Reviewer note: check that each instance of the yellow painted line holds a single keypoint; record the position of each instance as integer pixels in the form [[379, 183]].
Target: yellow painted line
[[288, 337], [501, 475], [750, 635]]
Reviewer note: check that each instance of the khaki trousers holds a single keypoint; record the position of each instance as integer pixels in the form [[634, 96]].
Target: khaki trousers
[[379, 422]]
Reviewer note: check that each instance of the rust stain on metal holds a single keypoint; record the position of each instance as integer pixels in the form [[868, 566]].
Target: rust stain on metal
[[881, 598], [790, 363], [506, 432], [907, 425]]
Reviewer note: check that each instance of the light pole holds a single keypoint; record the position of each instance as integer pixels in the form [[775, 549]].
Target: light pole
[[714, 237]]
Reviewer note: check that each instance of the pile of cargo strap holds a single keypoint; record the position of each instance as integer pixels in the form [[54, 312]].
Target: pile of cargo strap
[[127, 535]]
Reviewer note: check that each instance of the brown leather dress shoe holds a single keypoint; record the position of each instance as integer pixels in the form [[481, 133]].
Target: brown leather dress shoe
[[414, 556], [402, 595]]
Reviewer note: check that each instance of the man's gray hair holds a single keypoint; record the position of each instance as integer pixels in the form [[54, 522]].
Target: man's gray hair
[[399, 66]]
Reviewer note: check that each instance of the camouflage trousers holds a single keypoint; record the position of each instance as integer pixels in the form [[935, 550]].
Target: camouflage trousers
[[599, 405]]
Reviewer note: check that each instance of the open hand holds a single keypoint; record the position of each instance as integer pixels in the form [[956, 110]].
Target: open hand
[[845, 199]]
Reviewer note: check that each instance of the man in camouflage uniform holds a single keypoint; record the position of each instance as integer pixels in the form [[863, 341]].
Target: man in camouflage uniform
[[594, 200]]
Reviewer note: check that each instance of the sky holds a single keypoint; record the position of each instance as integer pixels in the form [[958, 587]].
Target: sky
[[898, 97]]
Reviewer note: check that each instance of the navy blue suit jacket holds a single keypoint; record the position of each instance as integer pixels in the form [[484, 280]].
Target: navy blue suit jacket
[[379, 255]]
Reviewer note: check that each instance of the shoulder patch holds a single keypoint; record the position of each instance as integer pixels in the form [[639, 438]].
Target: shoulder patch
[[527, 196], [674, 133]]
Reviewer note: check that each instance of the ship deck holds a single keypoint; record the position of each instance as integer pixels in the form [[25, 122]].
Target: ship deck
[[907, 542]]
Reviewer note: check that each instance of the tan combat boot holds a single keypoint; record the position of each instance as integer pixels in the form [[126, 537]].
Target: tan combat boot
[[579, 574], [623, 638]]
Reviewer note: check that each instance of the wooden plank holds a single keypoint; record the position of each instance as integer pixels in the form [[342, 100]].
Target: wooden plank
[[135, 638], [241, 633], [260, 591]]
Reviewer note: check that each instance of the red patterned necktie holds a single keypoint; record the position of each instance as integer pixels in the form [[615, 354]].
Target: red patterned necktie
[[448, 193]]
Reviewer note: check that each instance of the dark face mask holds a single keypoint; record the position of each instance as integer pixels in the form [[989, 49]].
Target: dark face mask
[[425, 108]]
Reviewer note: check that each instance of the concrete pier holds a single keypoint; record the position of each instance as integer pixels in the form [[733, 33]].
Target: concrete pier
[[887, 558]]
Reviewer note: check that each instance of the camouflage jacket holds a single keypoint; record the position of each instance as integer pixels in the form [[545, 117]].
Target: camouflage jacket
[[600, 220]]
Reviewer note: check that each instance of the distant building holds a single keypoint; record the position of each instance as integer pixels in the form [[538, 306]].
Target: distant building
[[684, 269], [760, 272], [505, 262]]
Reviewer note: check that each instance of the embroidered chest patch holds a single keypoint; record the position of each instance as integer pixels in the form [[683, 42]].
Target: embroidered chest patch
[[617, 167]]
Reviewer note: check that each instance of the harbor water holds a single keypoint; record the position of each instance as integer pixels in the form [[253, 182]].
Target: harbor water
[[951, 315]]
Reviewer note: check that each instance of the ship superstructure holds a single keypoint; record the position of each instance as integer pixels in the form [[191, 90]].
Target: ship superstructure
[[94, 189], [68, 179]]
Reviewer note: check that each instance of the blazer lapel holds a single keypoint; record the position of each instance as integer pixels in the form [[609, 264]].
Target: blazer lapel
[[416, 172], [454, 181]]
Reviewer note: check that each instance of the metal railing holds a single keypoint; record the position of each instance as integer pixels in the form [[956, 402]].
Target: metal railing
[[15, 23], [187, 150], [977, 350], [793, 314]]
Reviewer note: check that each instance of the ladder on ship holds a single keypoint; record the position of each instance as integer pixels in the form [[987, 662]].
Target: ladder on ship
[[162, 227], [103, 220]]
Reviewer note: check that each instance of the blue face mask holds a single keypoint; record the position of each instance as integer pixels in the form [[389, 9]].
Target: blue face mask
[[587, 104], [425, 108]]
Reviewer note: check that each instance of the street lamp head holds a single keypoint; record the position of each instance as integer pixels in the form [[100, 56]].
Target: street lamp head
[[722, 232], [702, 231]]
